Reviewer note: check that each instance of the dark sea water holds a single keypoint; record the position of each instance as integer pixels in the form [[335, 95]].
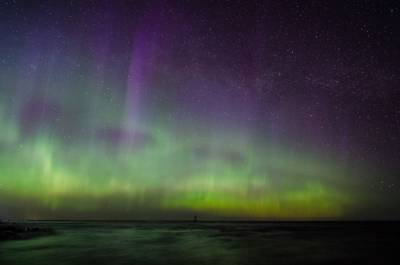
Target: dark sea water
[[207, 243]]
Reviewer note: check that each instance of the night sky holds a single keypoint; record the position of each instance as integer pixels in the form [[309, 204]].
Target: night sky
[[264, 110]]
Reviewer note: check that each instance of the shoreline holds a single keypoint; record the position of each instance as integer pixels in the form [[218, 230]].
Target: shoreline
[[21, 231]]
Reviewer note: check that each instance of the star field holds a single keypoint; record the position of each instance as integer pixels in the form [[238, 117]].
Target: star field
[[225, 109]]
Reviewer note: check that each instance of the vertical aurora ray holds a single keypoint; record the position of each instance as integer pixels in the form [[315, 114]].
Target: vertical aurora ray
[[150, 112]]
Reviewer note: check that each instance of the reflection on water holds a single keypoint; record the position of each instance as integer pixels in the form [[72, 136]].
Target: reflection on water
[[205, 243]]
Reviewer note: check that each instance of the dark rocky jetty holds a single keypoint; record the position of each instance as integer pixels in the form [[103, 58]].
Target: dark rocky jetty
[[15, 231]]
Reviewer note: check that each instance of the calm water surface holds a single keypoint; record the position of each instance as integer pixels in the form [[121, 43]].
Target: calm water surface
[[207, 243]]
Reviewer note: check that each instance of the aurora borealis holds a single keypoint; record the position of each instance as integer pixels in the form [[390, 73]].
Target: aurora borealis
[[165, 109]]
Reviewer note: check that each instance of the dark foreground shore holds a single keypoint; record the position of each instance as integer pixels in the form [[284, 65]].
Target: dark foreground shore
[[199, 243], [15, 231]]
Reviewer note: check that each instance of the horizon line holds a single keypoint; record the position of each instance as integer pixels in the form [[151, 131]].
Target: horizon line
[[201, 221]]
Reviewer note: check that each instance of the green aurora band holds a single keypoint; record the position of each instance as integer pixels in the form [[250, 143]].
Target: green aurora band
[[167, 176], [106, 116]]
